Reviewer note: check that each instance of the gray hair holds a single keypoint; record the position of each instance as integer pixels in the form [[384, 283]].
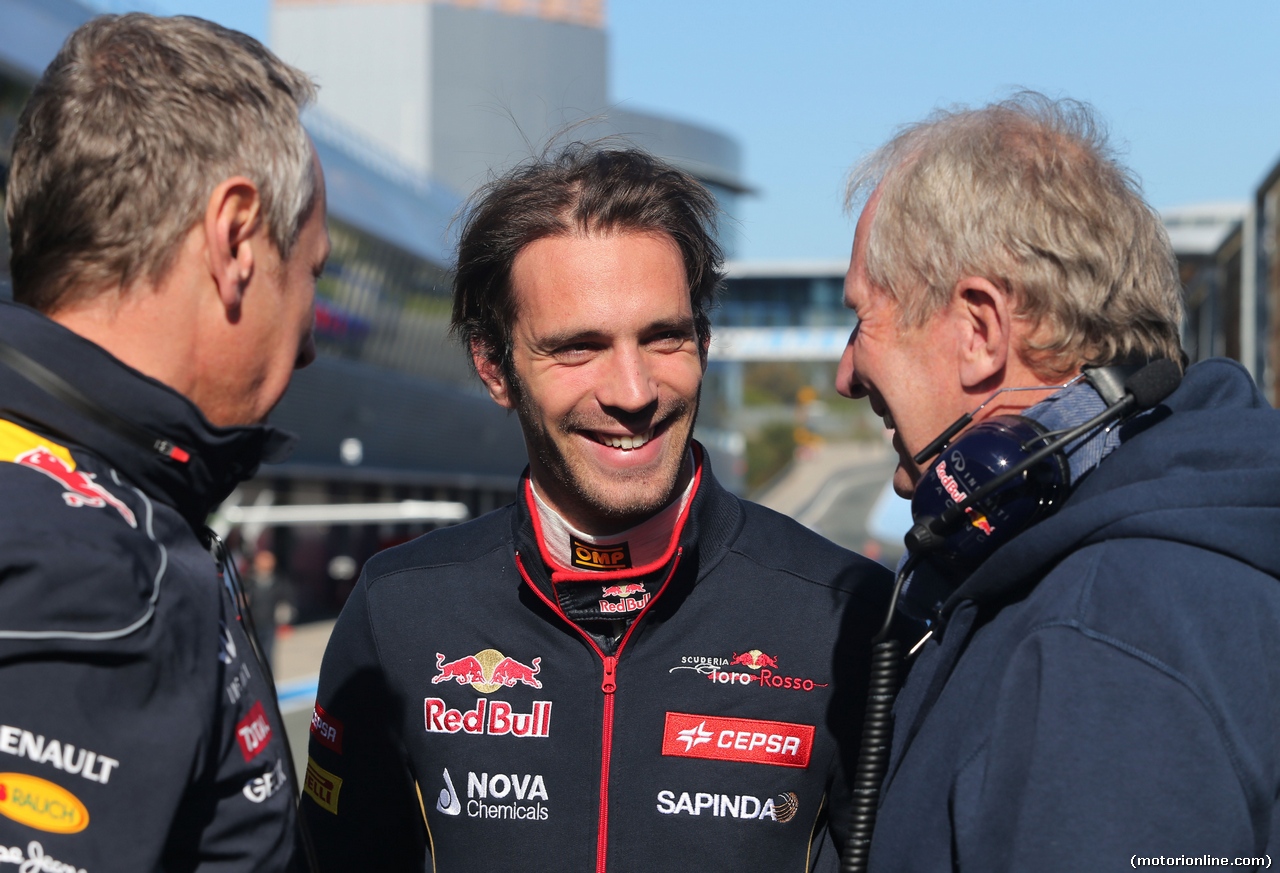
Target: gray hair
[[1028, 194], [126, 135]]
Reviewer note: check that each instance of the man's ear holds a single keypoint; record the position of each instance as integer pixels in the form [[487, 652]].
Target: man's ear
[[491, 374], [232, 218], [984, 311]]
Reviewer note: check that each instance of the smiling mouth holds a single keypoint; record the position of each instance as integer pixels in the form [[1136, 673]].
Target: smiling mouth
[[626, 443]]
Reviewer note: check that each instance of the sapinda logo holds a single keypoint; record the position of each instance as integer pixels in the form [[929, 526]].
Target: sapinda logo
[[780, 808], [500, 796]]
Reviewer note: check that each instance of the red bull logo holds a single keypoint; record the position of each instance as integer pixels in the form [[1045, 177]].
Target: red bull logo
[[492, 717], [957, 494], [622, 590], [21, 446], [753, 660], [488, 670]]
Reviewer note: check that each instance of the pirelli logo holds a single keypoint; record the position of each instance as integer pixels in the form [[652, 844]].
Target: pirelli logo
[[588, 557], [322, 786]]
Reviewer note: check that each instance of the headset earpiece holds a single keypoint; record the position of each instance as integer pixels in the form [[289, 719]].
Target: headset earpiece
[[987, 450]]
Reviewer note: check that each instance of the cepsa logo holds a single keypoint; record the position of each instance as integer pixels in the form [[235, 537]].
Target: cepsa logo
[[751, 741], [521, 797], [40, 804], [253, 732], [763, 675], [782, 808], [326, 729]]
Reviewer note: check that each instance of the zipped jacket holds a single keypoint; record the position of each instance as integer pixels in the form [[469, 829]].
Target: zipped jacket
[[137, 732], [1105, 691], [464, 723]]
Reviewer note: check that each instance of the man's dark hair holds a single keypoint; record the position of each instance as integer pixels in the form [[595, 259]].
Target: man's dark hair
[[582, 189]]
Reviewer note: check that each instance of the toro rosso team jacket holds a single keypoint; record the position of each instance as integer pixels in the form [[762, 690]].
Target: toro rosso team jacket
[[136, 730], [464, 723]]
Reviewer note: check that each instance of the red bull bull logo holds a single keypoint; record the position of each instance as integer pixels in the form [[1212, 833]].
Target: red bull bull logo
[[488, 670], [20, 446], [627, 603], [753, 660]]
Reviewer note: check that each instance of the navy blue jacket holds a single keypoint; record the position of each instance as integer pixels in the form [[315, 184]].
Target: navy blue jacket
[[462, 720], [136, 731], [1107, 685]]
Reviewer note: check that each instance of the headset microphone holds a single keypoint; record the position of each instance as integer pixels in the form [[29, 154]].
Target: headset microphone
[[989, 481]]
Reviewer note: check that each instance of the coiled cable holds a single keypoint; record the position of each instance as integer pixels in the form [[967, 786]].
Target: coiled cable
[[877, 736]]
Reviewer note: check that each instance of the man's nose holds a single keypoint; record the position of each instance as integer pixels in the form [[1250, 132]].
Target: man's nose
[[629, 384], [846, 379]]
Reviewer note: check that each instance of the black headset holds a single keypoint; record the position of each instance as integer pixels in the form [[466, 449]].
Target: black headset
[[1009, 472]]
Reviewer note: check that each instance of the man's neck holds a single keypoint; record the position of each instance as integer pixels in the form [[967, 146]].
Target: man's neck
[[641, 543]]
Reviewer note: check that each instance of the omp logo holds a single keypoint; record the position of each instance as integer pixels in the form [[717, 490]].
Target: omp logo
[[780, 808], [20, 446], [615, 556], [40, 804], [322, 786], [752, 741], [487, 670]]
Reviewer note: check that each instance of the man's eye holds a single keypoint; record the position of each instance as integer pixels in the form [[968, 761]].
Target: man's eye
[[670, 340]]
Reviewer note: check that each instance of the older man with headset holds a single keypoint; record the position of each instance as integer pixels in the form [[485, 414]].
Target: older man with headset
[[1094, 546]]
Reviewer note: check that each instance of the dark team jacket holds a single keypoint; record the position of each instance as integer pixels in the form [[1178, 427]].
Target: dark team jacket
[[1107, 685], [463, 723], [136, 731]]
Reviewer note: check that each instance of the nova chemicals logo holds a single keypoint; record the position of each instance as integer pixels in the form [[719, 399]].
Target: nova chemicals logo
[[782, 808], [500, 796], [488, 670]]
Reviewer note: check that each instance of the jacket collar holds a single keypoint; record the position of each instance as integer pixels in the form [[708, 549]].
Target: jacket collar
[[714, 518], [220, 457]]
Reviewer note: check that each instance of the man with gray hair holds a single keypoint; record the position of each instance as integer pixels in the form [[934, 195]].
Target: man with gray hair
[[166, 212], [1094, 547]]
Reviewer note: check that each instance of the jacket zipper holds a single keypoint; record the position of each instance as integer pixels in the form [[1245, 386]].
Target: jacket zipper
[[608, 684]]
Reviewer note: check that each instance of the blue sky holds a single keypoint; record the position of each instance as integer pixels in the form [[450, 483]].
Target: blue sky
[[1190, 90]]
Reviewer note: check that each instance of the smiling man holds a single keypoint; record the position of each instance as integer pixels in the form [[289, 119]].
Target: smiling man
[[628, 668], [1100, 684], [167, 217]]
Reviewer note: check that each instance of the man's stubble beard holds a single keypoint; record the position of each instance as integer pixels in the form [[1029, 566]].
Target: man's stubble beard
[[579, 489]]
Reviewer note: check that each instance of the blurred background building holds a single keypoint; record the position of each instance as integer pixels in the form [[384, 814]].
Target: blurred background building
[[421, 101]]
